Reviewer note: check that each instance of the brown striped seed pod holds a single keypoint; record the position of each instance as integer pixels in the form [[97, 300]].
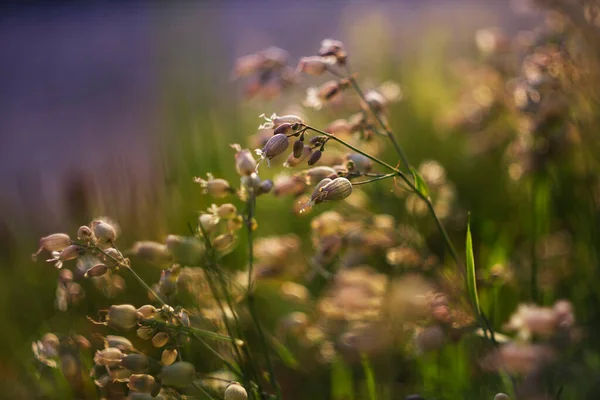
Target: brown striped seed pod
[[235, 391], [316, 156], [122, 316], [136, 363], [274, 147], [160, 339], [179, 374]]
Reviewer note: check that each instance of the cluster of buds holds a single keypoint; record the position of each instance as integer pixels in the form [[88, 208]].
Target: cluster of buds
[[119, 366], [267, 72]]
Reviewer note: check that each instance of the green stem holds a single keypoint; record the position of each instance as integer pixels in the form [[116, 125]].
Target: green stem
[[251, 305], [379, 178]]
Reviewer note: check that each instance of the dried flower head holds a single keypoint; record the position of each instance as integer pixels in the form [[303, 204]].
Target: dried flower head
[[215, 187], [69, 253], [245, 164], [123, 316], [105, 231], [315, 65]]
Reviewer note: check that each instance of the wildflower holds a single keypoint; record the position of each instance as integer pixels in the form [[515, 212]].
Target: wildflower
[[141, 383], [327, 189], [84, 233], [215, 187], [105, 231], [335, 48], [274, 121], [283, 128], [375, 101], [147, 311], [52, 243], [224, 211], [124, 316], [179, 374], [223, 242], [315, 65], [69, 253], [244, 161], [136, 362], [151, 252], [96, 270], [235, 391], [274, 147], [316, 98], [109, 357]]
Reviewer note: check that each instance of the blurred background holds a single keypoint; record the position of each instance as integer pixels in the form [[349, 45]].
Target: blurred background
[[112, 109]]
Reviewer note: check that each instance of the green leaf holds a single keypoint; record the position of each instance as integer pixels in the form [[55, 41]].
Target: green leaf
[[342, 383], [471, 278], [420, 183], [369, 377]]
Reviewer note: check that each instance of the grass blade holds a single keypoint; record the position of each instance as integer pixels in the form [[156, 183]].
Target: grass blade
[[420, 183], [369, 377], [471, 277], [342, 382]]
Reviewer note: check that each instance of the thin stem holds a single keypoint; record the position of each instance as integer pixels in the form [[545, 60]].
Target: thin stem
[[199, 387], [379, 178], [251, 306]]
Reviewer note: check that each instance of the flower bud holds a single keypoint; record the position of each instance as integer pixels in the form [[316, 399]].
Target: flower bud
[[215, 187], [109, 357], [179, 374], [160, 339], [141, 383], [84, 233], [96, 270], [316, 156], [104, 232], [186, 250], [359, 163], [235, 391], [298, 149], [151, 252], [168, 356], [208, 222], [137, 363], [265, 186], [286, 119], [244, 161], [235, 224], [123, 316], [293, 161], [335, 48], [274, 147]]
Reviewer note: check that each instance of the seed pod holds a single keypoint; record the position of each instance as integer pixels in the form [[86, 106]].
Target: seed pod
[[501, 396], [145, 332], [235, 224], [104, 232], [151, 252], [298, 149], [179, 374], [244, 162], [65, 276], [316, 156], [120, 343], [265, 186], [208, 222], [141, 383], [358, 162], [286, 119], [168, 356], [292, 161], [317, 195], [160, 339], [109, 357], [96, 270], [84, 233], [235, 391], [275, 146], [283, 128], [123, 316], [137, 363]]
